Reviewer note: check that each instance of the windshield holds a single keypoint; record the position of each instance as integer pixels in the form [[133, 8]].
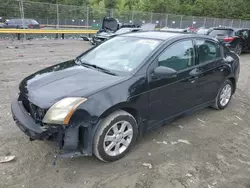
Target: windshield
[[122, 54], [221, 32]]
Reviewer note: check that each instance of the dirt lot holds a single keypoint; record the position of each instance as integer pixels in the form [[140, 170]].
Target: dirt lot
[[207, 149]]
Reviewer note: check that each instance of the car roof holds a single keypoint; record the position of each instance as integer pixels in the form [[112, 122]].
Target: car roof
[[229, 28], [164, 35], [21, 19]]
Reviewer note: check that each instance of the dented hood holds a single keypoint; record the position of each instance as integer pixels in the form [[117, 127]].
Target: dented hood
[[67, 79]]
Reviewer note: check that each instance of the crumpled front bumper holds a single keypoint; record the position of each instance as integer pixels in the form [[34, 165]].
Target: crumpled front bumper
[[67, 139], [28, 125]]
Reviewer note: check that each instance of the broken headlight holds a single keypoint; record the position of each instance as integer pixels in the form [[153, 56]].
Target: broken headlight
[[61, 112]]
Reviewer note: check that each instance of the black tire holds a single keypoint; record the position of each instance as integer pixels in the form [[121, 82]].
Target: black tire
[[238, 49], [104, 126], [217, 104]]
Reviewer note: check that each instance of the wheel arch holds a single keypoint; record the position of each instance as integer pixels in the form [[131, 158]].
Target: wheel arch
[[126, 106], [232, 79]]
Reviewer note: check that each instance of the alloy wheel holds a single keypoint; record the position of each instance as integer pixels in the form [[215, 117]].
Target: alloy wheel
[[225, 95], [118, 138]]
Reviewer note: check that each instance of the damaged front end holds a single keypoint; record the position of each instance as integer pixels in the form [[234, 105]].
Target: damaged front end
[[109, 29], [71, 140]]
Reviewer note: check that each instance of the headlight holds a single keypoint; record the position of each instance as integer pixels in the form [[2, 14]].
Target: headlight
[[61, 112]]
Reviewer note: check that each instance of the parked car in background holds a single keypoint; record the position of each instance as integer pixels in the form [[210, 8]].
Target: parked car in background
[[236, 39], [174, 30], [110, 28], [203, 31], [100, 102], [21, 24]]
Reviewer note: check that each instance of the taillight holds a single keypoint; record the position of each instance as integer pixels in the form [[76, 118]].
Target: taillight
[[31, 26], [228, 39]]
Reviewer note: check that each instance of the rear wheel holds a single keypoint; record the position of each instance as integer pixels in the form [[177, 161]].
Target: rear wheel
[[224, 95], [115, 136], [238, 49]]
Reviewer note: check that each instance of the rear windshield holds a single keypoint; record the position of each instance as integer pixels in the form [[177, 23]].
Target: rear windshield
[[221, 32], [34, 22]]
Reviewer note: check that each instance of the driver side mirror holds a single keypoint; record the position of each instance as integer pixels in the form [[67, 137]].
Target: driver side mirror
[[164, 72]]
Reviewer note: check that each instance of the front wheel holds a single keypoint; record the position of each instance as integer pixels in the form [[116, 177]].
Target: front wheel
[[224, 95], [115, 136], [238, 49]]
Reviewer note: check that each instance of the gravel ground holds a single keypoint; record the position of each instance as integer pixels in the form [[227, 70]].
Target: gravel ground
[[207, 149]]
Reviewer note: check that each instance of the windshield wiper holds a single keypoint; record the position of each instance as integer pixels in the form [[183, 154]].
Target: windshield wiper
[[84, 63]]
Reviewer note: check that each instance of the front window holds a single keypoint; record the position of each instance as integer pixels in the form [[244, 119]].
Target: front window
[[178, 56], [122, 54]]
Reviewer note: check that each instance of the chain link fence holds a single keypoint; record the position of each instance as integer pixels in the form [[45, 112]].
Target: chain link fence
[[69, 16]]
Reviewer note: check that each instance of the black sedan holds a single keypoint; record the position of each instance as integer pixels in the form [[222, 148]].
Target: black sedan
[[103, 100]]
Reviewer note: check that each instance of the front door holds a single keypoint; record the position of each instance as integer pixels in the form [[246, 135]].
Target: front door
[[170, 96]]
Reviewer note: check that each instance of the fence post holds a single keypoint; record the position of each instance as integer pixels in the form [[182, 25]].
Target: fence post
[[57, 20], [22, 17], [57, 16], [214, 22], [181, 21], [151, 17], [87, 21], [166, 21], [111, 13], [240, 23], [204, 23], [132, 17], [232, 23]]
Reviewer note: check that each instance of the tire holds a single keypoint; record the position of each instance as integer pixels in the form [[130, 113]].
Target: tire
[[105, 149], [219, 105], [238, 49]]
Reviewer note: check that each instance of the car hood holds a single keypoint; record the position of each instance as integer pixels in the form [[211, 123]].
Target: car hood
[[110, 23], [67, 79]]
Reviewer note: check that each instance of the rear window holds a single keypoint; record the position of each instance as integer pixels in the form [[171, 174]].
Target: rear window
[[19, 21], [34, 22], [221, 32]]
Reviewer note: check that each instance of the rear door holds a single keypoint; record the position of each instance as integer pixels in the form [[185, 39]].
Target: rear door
[[212, 65], [171, 96]]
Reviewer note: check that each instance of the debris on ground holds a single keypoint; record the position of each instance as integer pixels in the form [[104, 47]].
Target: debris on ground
[[12, 47], [20, 55], [189, 175], [149, 154], [183, 141], [147, 165], [235, 123], [180, 126], [238, 118], [214, 183], [174, 143], [201, 120], [163, 142], [5, 159]]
